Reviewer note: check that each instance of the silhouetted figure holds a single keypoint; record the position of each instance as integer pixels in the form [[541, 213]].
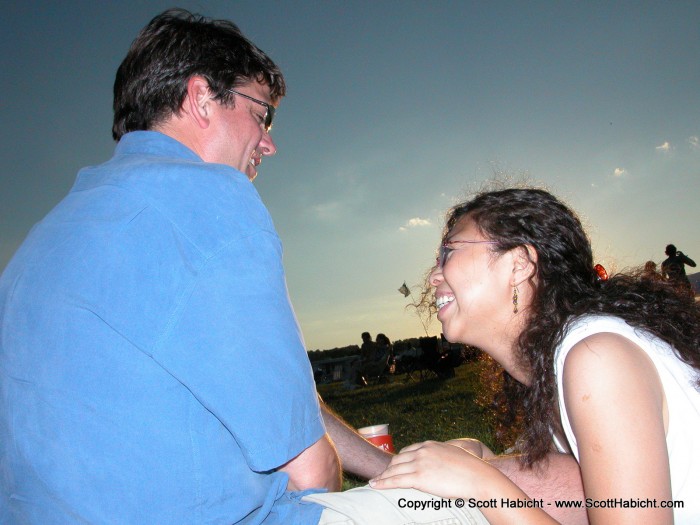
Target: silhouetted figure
[[673, 268], [435, 360], [383, 346], [368, 350], [373, 360], [651, 272], [385, 352]]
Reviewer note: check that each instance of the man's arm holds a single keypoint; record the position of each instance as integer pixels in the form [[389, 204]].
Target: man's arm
[[316, 467], [559, 479], [357, 455], [687, 260]]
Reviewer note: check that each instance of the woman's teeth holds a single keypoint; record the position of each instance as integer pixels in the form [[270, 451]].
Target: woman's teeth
[[443, 300]]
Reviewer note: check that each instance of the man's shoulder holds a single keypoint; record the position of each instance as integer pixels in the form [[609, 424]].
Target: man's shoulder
[[208, 203], [154, 143]]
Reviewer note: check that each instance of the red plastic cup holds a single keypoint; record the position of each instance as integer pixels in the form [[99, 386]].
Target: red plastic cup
[[378, 435]]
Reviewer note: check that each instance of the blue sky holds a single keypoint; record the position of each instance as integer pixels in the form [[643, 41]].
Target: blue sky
[[394, 111]]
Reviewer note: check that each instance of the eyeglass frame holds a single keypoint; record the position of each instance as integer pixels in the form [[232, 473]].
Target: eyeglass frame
[[445, 250], [269, 108]]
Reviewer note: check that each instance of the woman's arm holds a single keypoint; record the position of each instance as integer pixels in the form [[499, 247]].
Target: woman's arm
[[615, 402]]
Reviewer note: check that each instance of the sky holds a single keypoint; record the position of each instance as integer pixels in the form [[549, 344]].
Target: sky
[[395, 110]]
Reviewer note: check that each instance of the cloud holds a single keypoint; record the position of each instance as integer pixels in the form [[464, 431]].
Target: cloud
[[327, 211], [415, 222], [620, 172], [665, 147], [694, 142]]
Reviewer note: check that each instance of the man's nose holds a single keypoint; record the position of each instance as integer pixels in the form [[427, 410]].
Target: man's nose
[[267, 145]]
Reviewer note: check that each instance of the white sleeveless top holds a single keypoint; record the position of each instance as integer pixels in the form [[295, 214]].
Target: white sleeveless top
[[683, 399]]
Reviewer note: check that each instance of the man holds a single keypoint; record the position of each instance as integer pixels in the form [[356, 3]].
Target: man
[[151, 368], [673, 268], [368, 349]]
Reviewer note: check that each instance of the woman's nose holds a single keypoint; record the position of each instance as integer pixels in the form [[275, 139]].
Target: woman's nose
[[435, 276]]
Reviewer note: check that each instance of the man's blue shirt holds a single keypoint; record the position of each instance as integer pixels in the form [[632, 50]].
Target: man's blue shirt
[[151, 367]]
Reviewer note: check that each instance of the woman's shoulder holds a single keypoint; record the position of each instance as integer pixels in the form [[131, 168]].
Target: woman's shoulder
[[594, 323], [605, 350], [607, 341], [583, 326]]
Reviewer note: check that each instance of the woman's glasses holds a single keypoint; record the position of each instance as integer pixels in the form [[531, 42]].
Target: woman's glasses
[[446, 249]]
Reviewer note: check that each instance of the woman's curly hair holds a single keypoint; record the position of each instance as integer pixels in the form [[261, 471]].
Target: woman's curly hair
[[567, 286]]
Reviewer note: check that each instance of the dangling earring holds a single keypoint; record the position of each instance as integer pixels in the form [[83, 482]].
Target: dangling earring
[[515, 299]]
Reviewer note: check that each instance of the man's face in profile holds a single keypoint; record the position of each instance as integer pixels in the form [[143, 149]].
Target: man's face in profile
[[240, 138]]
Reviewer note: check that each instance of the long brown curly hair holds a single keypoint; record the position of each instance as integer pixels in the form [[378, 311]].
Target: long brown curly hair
[[567, 286]]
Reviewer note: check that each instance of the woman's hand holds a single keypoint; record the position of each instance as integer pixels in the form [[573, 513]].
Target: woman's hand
[[442, 469], [450, 471]]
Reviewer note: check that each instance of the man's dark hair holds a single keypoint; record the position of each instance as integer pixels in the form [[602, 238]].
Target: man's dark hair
[[151, 82], [671, 250]]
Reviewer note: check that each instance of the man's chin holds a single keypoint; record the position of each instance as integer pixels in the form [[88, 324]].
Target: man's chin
[[251, 173]]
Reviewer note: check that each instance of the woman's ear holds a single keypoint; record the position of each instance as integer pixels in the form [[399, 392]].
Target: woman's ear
[[524, 264]]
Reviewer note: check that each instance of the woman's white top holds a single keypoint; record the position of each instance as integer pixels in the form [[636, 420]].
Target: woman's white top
[[683, 400]]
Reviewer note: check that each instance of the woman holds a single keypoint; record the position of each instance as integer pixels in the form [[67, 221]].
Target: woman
[[608, 368]]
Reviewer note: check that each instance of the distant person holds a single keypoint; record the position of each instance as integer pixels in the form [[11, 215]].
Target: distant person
[[673, 268], [368, 350], [651, 272], [385, 351], [151, 366], [384, 346], [372, 365]]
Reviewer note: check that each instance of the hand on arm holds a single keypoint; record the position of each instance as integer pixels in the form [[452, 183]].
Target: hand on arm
[[442, 469], [556, 479], [316, 467], [450, 471]]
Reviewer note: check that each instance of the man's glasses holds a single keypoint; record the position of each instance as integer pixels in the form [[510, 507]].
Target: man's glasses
[[446, 249], [269, 108]]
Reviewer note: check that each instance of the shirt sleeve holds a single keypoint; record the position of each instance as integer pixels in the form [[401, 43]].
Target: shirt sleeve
[[236, 345]]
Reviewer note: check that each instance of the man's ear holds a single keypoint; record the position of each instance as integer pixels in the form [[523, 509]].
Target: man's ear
[[199, 101], [524, 264]]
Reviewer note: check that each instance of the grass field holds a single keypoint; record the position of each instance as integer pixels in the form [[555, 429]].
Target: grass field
[[417, 410]]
